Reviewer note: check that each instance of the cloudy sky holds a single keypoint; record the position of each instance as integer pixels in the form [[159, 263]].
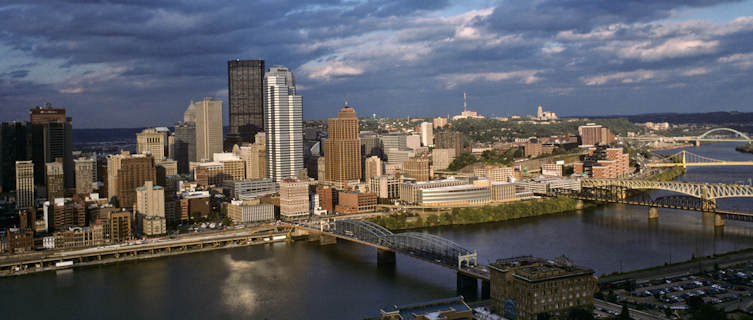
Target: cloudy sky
[[131, 63]]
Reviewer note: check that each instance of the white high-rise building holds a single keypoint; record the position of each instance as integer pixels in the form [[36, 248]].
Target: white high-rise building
[[283, 118], [427, 134], [207, 115]]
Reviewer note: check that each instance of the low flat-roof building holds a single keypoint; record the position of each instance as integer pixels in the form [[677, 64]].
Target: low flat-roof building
[[356, 202], [249, 189], [453, 308], [524, 287], [250, 211]]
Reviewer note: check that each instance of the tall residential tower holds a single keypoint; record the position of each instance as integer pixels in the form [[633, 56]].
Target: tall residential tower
[[343, 147]]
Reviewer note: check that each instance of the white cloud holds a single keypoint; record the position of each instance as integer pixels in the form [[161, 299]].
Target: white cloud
[[740, 60], [649, 51], [328, 70], [624, 77], [696, 71], [522, 76]]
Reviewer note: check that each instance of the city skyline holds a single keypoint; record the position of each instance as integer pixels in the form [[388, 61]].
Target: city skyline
[[399, 60]]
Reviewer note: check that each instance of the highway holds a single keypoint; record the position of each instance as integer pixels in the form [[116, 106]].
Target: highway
[[609, 310]]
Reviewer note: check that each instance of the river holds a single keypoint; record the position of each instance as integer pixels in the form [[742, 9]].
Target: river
[[305, 281]]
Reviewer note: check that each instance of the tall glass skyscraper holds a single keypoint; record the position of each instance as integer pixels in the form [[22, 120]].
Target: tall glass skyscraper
[[246, 95], [283, 118]]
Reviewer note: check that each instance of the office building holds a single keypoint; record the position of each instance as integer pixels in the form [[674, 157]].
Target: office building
[[417, 168], [372, 168], [150, 200], [119, 224], [283, 124], [343, 147], [249, 189], [152, 141], [85, 172], [193, 205], [24, 184], [185, 145], [54, 180], [440, 122], [233, 168], [245, 79], [67, 212], [465, 194], [294, 198], [385, 186], [532, 148], [603, 162], [409, 191], [394, 140], [524, 287], [250, 211], [397, 156], [349, 202], [593, 134], [495, 173], [208, 173], [442, 158], [551, 169], [327, 197], [51, 138], [15, 145], [450, 140], [134, 172], [446, 309], [255, 157], [207, 117], [79, 237], [371, 145], [427, 134], [413, 142]]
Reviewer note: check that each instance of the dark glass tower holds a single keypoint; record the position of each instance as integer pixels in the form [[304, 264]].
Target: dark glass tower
[[15, 145], [246, 95], [51, 138]]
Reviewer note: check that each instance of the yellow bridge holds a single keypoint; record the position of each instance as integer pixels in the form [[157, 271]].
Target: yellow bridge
[[688, 159]]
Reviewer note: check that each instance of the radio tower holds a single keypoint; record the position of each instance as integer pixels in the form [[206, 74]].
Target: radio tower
[[465, 102]]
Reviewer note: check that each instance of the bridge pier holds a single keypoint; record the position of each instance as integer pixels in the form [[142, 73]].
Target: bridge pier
[[385, 258], [467, 286], [579, 204], [653, 213], [698, 143], [718, 221], [326, 240]]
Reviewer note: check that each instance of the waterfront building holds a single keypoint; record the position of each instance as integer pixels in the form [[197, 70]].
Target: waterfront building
[[543, 185], [446, 309], [440, 122], [24, 184], [593, 134], [15, 145], [54, 180], [294, 198], [450, 140], [79, 237], [283, 124], [502, 191], [603, 162], [184, 145], [327, 197], [442, 158], [16, 240], [409, 191], [85, 171], [417, 168], [427, 134], [355, 202], [343, 147], [385, 186], [250, 211], [153, 225], [245, 99], [66, 212], [51, 138], [524, 287], [150, 200], [119, 225], [372, 168], [207, 117], [193, 205], [154, 142], [465, 194], [249, 189]]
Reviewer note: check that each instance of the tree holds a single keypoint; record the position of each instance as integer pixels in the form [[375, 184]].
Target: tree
[[579, 314], [699, 310]]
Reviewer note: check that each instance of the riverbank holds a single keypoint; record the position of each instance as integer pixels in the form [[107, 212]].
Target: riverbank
[[668, 174], [483, 214], [746, 148]]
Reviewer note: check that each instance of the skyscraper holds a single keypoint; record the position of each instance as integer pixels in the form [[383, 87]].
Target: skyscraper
[[15, 139], [51, 138], [207, 116], [54, 180], [134, 171], [245, 80], [24, 184], [185, 145], [343, 147], [152, 141], [283, 119], [427, 134], [84, 175]]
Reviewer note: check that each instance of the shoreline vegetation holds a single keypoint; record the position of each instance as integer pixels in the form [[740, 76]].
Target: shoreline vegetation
[[497, 212], [746, 148]]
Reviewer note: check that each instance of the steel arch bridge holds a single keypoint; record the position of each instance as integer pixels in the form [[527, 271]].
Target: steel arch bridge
[[688, 159], [703, 136], [705, 191], [419, 245]]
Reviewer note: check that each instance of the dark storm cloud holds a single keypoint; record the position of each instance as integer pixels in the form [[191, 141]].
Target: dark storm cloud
[[118, 59]]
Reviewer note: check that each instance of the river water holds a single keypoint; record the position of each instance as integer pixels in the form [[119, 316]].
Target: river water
[[305, 281]]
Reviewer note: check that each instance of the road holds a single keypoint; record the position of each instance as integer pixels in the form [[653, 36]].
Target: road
[[608, 310]]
